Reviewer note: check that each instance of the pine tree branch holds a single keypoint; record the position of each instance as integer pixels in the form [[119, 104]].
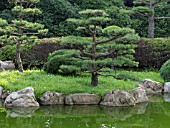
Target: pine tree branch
[[142, 14], [106, 75], [100, 67], [105, 54], [88, 28], [30, 33], [16, 34], [157, 18], [106, 41], [85, 53], [144, 2]]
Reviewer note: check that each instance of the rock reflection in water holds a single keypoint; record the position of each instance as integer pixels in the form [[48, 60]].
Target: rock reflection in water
[[51, 110], [166, 97], [122, 113], [1, 103], [155, 98], [21, 112]]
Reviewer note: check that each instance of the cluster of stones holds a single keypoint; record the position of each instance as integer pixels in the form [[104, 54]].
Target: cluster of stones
[[26, 98]]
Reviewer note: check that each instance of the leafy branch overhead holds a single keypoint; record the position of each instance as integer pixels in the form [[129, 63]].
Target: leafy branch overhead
[[115, 47]]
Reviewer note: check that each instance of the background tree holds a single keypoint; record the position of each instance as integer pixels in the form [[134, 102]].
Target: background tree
[[21, 31], [94, 54], [146, 8]]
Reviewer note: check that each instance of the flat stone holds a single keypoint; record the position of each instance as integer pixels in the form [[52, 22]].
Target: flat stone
[[83, 99], [52, 98]]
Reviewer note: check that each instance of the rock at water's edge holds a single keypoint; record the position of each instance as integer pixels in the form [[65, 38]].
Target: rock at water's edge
[[83, 99], [151, 87], [52, 98], [167, 87], [139, 94], [23, 98], [118, 98]]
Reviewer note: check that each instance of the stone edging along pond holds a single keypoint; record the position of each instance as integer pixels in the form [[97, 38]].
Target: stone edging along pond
[[117, 98]]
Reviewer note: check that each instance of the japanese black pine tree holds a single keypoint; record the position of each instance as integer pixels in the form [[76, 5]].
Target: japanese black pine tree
[[97, 53], [20, 31]]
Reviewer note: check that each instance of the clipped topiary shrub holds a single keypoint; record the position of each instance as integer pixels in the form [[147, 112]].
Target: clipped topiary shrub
[[165, 71], [62, 62]]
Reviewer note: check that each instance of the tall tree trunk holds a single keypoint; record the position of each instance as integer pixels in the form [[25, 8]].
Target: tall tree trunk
[[94, 79], [151, 21], [18, 57]]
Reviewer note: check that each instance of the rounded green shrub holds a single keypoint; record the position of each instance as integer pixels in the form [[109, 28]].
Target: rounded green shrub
[[165, 71], [62, 62]]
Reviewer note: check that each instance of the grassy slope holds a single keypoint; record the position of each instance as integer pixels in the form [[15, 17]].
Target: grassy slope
[[43, 82]]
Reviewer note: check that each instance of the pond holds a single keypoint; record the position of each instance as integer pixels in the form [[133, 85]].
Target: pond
[[155, 114]]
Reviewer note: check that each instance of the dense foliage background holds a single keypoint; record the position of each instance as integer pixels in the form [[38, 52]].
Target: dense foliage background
[[55, 12]]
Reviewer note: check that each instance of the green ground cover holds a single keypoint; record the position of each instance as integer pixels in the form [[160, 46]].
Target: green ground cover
[[43, 82]]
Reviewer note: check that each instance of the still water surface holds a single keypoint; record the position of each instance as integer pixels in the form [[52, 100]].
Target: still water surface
[[155, 114]]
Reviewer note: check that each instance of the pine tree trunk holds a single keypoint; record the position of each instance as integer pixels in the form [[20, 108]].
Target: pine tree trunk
[[18, 57], [151, 27], [94, 79]]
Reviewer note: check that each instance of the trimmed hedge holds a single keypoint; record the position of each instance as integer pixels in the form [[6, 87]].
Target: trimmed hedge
[[152, 52], [149, 53], [32, 57]]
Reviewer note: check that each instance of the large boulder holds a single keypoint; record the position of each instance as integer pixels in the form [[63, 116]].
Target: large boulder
[[1, 91], [118, 98], [6, 65], [167, 87], [52, 98], [83, 99], [151, 87], [139, 94], [23, 98]]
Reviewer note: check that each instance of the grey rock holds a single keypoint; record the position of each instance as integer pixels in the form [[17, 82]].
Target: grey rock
[[139, 94], [52, 98], [5, 94], [118, 98], [83, 99], [1, 92], [151, 87], [6, 65], [167, 87], [23, 98]]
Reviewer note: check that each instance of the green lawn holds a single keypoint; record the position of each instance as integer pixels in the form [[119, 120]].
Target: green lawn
[[43, 82]]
